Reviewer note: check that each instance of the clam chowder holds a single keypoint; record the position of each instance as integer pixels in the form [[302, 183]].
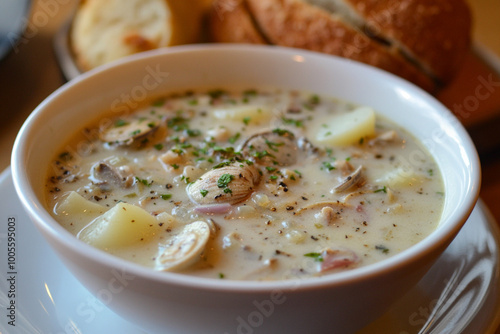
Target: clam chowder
[[250, 185]]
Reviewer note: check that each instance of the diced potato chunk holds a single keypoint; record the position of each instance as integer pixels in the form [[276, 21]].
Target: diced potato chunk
[[399, 178], [123, 225], [76, 206], [346, 129], [245, 113]]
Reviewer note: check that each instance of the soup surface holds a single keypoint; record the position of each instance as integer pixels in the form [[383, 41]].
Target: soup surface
[[250, 185]]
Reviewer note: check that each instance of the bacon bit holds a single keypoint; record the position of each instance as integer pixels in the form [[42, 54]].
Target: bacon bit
[[338, 258]]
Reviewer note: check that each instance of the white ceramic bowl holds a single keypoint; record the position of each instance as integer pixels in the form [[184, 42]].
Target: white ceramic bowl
[[174, 303]]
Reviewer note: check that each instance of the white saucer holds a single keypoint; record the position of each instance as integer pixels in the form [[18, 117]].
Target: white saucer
[[460, 294]]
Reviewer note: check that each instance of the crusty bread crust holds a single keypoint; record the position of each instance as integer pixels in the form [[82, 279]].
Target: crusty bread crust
[[387, 34], [434, 33], [295, 23], [230, 22]]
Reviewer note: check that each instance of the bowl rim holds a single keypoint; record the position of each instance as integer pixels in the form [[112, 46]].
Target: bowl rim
[[48, 225]]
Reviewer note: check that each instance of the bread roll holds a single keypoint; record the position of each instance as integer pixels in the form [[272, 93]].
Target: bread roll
[[423, 41], [105, 30]]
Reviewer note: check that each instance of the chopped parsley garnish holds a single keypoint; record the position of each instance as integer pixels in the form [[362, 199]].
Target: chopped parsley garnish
[[298, 123], [314, 99], [143, 181], [175, 166], [246, 120], [136, 132], [270, 169], [177, 123], [186, 179], [311, 102], [282, 132], [185, 145], [384, 190], [263, 154], [158, 146], [203, 192], [227, 150], [273, 145], [328, 165], [316, 256], [234, 138], [175, 139], [193, 132], [222, 164], [224, 180], [120, 122], [166, 196], [430, 172], [382, 248]]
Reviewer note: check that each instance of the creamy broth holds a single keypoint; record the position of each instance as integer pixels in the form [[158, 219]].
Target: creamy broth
[[247, 185]]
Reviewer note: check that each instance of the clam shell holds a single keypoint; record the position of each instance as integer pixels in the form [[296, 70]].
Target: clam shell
[[207, 189], [129, 130], [270, 148], [185, 248]]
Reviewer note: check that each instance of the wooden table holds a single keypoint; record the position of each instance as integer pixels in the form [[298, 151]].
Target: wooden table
[[30, 73]]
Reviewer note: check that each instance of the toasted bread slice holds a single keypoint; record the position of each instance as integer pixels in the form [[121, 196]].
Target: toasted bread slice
[[231, 22], [298, 24], [385, 34], [434, 35]]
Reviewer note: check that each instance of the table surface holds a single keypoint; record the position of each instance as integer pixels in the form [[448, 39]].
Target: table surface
[[31, 72]]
